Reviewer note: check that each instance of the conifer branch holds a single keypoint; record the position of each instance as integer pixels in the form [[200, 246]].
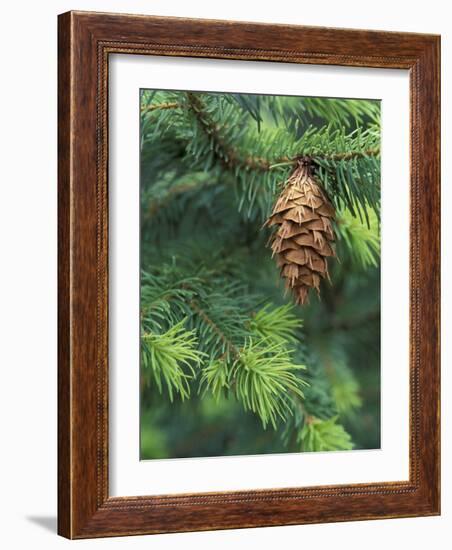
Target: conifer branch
[[228, 155], [229, 345], [156, 204], [160, 106], [343, 161], [231, 157], [171, 357], [350, 155], [324, 435]]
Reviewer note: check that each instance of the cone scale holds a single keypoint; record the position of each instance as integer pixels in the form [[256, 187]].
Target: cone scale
[[303, 232]]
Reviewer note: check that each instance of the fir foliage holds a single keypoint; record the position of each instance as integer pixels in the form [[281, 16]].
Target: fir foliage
[[170, 357], [324, 435]]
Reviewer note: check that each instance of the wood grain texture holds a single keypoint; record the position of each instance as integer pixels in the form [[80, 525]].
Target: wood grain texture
[[64, 294], [85, 42]]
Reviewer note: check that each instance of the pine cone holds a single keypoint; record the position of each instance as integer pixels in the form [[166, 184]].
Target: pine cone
[[304, 237]]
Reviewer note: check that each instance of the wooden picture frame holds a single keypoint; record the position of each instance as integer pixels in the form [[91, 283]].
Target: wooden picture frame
[[86, 40]]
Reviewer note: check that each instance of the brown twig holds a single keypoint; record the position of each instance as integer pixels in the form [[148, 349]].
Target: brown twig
[[160, 106], [231, 347], [350, 155]]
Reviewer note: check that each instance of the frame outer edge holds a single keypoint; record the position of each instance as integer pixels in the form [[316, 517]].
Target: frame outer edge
[[438, 176], [433, 168], [426, 234], [64, 277]]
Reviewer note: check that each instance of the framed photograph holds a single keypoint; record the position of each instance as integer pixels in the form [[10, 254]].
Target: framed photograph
[[248, 275]]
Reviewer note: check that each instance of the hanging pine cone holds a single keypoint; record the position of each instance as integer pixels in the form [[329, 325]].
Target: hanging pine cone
[[303, 240]]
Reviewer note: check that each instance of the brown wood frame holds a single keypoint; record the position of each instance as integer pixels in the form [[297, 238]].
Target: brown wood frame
[[85, 42]]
